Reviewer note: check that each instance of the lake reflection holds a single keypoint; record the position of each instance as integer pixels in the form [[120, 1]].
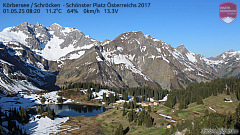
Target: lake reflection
[[76, 110]]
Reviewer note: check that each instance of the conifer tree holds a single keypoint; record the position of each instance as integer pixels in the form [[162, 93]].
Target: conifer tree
[[206, 112], [111, 98], [228, 92], [238, 116], [25, 132], [125, 105], [140, 118], [1, 130], [104, 97], [148, 121], [199, 100], [130, 116], [60, 100], [116, 96], [120, 129], [149, 109], [131, 105], [124, 113], [97, 87]]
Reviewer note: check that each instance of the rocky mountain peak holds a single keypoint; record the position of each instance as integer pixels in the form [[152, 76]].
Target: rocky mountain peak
[[182, 49], [130, 35], [24, 24], [231, 50], [56, 25], [210, 58], [106, 41], [38, 24]]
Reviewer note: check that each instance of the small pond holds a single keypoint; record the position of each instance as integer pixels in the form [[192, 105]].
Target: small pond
[[76, 110]]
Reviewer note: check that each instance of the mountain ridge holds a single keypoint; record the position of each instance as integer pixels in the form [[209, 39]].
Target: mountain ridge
[[132, 59]]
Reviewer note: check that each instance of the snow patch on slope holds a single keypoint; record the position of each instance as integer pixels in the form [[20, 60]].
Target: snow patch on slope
[[16, 85], [191, 57], [52, 50], [121, 59], [110, 57], [119, 48], [44, 125], [76, 55], [8, 35]]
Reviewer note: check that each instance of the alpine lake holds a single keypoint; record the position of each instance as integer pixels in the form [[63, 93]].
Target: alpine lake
[[73, 110]]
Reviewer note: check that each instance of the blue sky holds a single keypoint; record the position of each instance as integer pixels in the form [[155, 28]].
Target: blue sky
[[194, 23]]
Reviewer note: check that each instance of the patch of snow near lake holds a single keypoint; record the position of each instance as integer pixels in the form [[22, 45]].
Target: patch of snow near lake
[[120, 101], [99, 95], [164, 98], [130, 98], [68, 101], [173, 120], [169, 117], [51, 98], [28, 100], [212, 109], [45, 125], [150, 99], [84, 91]]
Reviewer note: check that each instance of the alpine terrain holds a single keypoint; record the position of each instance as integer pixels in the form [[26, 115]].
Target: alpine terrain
[[34, 57]]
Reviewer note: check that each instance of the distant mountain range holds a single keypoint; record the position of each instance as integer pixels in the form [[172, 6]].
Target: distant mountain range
[[34, 57]]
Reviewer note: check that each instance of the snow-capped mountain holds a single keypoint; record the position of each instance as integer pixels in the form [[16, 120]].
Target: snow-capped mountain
[[229, 63], [51, 42], [132, 59]]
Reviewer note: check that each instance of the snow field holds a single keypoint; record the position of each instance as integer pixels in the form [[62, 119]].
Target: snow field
[[44, 125]]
